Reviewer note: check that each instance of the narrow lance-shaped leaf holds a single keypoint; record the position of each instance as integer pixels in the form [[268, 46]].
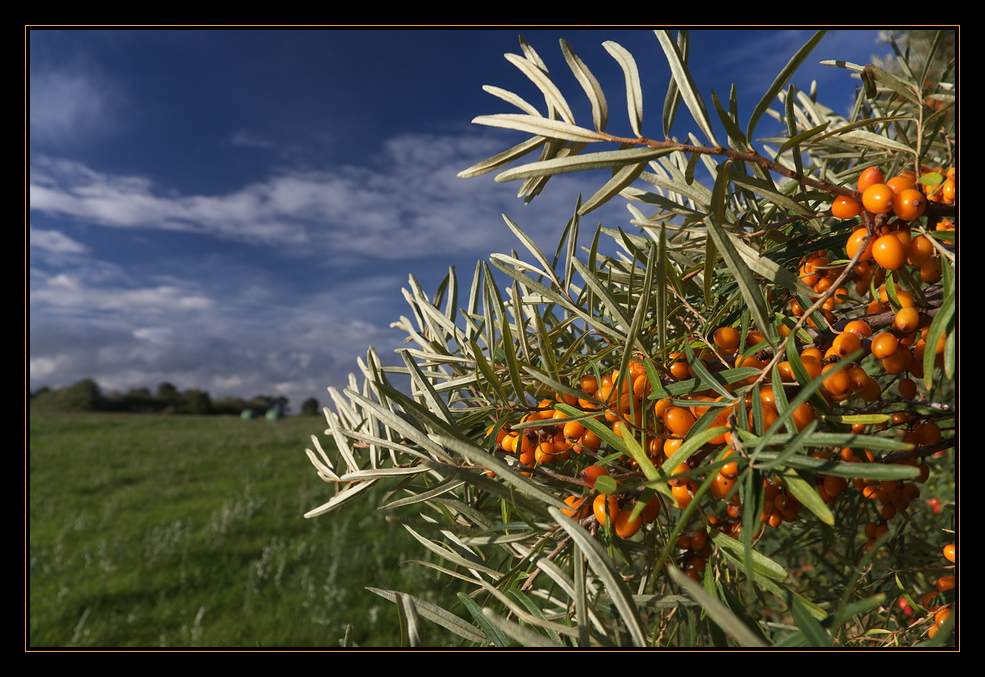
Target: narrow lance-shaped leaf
[[737, 138], [533, 248], [588, 82], [554, 129], [540, 77], [512, 98], [438, 615], [673, 97], [634, 90], [685, 84], [584, 162], [620, 180], [798, 164], [502, 159]]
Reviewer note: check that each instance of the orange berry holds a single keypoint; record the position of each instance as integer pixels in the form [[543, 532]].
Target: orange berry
[[679, 368], [721, 485], [859, 327], [898, 362], [523, 445], [803, 415], [844, 207], [589, 441], [573, 430], [949, 192], [878, 198], [726, 338], [910, 204], [589, 383], [680, 470], [577, 507], [626, 525], [605, 508], [682, 495], [950, 553], [930, 270], [651, 510], [678, 420], [812, 365], [837, 381], [591, 473], [907, 388], [869, 177], [920, 249], [730, 469], [755, 337], [901, 183], [927, 432], [854, 243], [884, 344], [889, 252], [907, 319], [834, 484], [846, 343], [812, 351]]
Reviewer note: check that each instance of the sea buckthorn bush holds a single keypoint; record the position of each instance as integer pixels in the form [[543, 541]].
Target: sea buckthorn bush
[[731, 422]]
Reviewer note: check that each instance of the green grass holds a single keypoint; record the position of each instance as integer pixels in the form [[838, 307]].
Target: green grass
[[156, 531]]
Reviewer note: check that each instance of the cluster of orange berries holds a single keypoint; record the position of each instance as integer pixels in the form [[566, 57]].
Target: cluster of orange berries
[[549, 436], [695, 550], [945, 583], [880, 250], [890, 244], [625, 512], [903, 195]]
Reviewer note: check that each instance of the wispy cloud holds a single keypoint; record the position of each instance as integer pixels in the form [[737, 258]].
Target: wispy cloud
[[221, 322], [409, 204], [72, 104], [55, 242]]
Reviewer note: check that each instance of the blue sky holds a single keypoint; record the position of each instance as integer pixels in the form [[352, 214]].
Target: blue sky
[[238, 210]]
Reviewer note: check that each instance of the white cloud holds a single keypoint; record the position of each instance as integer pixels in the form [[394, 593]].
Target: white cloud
[[411, 205], [70, 293], [72, 104], [226, 325], [55, 242]]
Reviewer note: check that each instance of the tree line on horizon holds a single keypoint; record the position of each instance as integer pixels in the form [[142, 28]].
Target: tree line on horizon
[[86, 395]]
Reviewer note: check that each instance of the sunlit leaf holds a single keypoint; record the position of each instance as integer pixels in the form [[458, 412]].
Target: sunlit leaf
[[685, 84], [634, 89], [540, 126]]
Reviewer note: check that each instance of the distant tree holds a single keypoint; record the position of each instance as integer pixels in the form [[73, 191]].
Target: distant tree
[[114, 401], [169, 398], [228, 405], [40, 391], [197, 402], [139, 400], [309, 407], [263, 403], [83, 395]]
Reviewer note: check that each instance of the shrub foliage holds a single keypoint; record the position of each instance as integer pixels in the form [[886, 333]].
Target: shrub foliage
[[682, 433]]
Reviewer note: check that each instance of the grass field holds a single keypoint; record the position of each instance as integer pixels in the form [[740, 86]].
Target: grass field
[[158, 531]]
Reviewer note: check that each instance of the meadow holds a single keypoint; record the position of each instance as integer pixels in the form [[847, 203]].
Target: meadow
[[181, 531]]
